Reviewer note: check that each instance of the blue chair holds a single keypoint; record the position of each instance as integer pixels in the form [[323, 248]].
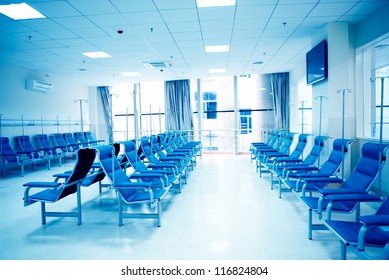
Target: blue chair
[[71, 142], [371, 230], [79, 137], [177, 164], [163, 155], [263, 154], [292, 175], [59, 143], [51, 192], [91, 139], [10, 157], [271, 138], [273, 162], [165, 171], [359, 181], [130, 192], [28, 149], [48, 148]]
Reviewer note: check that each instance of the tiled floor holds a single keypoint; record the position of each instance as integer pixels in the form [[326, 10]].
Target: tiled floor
[[224, 212]]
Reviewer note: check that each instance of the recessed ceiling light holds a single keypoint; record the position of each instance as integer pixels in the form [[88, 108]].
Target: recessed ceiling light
[[96, 54], [129, 74], [215, 3], [20, 11], [220, 48], [217, 70]]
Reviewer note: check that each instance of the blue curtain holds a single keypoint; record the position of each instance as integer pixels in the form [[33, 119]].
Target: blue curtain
[[106, 100], [179, 115], [280, 88]]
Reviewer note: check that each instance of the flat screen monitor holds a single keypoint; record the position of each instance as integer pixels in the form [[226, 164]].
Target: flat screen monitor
[[316, 63]]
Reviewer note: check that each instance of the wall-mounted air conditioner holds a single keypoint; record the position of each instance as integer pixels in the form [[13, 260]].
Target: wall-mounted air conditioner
[[40, 86]]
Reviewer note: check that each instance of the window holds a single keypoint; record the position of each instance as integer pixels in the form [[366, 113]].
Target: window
[[373, 64], [301, 107]]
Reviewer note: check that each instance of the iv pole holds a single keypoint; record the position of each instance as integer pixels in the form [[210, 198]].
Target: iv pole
[[82, 120], [343, 91], [381, 129], [320, 117]]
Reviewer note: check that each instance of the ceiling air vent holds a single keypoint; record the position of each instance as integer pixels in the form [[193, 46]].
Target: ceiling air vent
[[157, 64]]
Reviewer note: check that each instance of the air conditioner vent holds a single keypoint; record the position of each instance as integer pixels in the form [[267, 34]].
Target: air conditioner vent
[[40, 86], [157, 64]]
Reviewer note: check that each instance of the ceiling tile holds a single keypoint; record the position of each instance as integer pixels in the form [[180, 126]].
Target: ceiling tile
[[125, 6], [108, 19], [258, 11], [55, 9], [93, 7], [179, 15]]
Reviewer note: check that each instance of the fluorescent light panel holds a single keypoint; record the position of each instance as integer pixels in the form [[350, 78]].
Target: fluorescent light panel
[[20, 11], [130, 74], [217, 70], [96, 54], [215, 3], [220, 48]]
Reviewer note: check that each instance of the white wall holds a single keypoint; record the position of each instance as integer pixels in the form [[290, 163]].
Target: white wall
[[343, 40], [16, 101]]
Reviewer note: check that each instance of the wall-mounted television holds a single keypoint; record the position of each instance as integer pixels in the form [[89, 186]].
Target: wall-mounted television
[[317, 64]]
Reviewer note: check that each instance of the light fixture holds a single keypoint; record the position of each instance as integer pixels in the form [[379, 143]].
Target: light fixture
[[130, 74], [219, 48], [215, 3], [20, 11], [96, 54], [217, 70]]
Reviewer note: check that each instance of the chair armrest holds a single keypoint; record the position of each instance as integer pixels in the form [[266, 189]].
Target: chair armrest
[[379, 220], [354, 197], [146, 174], [302, 167], [327, 192], [143, 185], [322, 179], [288, 159], [42, 184], [161, 165]]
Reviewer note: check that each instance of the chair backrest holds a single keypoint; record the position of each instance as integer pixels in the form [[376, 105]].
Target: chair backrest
[[84, 161], [71, 141], [300, 146], [272, 138], [336, 157], [58, 137], [79, 136], [88, 136], [131, 153], [26, 145], [280, 139], [317, 148], [156, 145], [112, 169], [367, 167], [288, 139], [147, 151], [7, 152], [43, 140]]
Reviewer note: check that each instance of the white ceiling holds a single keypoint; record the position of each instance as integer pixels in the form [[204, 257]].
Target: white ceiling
[[277, 32]]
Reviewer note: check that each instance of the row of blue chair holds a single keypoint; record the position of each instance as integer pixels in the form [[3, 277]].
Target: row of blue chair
[[47, 148], [313, 185], [129, 170]]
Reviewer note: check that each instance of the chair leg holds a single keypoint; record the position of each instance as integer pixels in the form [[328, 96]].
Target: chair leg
[[79, 204], [310, 224], [120, 211], [158, 208], [43, 213], [343, 248]]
